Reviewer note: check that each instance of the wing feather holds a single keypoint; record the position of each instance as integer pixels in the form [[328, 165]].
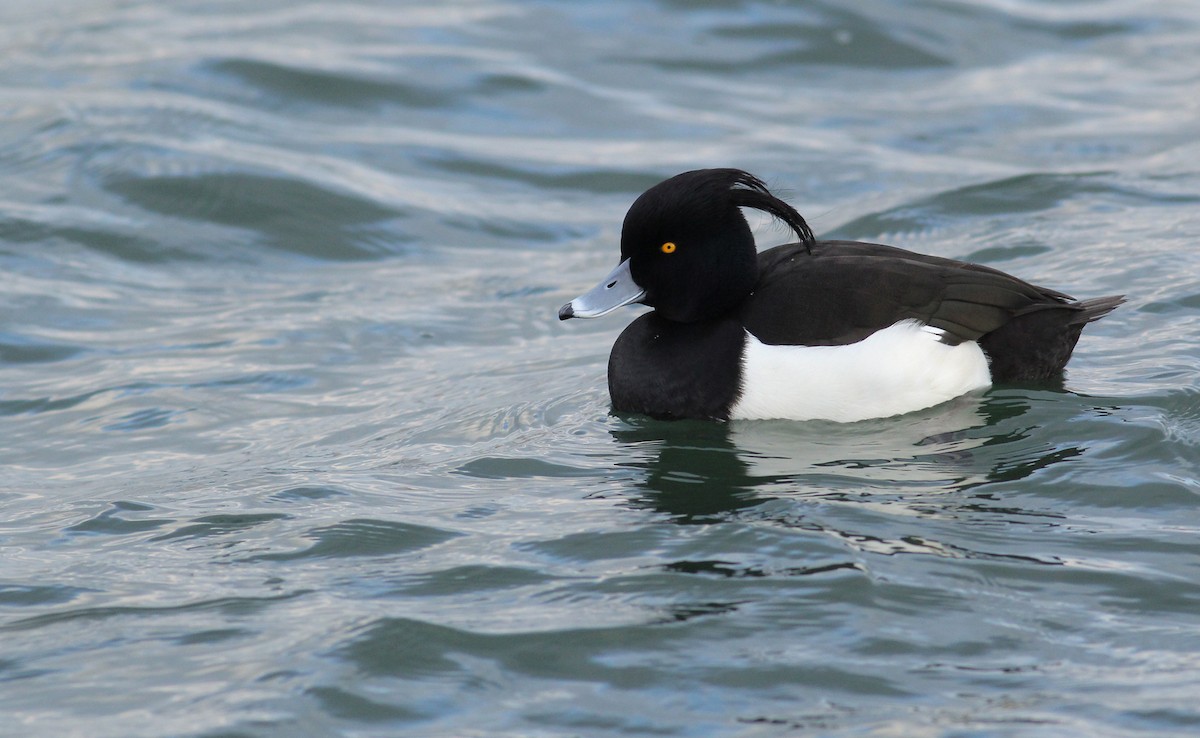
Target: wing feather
[[843, 291]]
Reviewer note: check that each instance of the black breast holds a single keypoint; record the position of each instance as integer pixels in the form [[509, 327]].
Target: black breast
[[673, 370]]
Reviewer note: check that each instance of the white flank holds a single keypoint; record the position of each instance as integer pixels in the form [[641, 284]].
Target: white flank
[[896, 370]]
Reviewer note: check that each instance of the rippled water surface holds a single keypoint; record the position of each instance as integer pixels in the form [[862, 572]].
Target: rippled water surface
[[293, 444]]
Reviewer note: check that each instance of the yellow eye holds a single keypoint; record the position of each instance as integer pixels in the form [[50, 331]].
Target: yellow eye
[[668, 247]]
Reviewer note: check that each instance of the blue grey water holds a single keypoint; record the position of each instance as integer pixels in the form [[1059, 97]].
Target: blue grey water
[[293, 444]]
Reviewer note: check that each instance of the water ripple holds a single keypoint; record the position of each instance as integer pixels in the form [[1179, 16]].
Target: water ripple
[[363, 538], [293, 441]]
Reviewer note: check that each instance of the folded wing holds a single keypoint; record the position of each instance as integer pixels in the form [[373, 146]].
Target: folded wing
[[839, 292]]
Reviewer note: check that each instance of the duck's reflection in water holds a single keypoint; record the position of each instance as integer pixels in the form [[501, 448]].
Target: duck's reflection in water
[[695, 470]]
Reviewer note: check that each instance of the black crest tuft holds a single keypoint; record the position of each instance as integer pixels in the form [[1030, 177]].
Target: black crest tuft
[[748, 191]]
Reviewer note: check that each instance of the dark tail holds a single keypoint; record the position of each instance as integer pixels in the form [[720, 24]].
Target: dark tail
[[1095, 308], [1035, 347]]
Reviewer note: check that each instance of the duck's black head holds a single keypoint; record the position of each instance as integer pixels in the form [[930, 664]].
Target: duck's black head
[[686, 247]]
